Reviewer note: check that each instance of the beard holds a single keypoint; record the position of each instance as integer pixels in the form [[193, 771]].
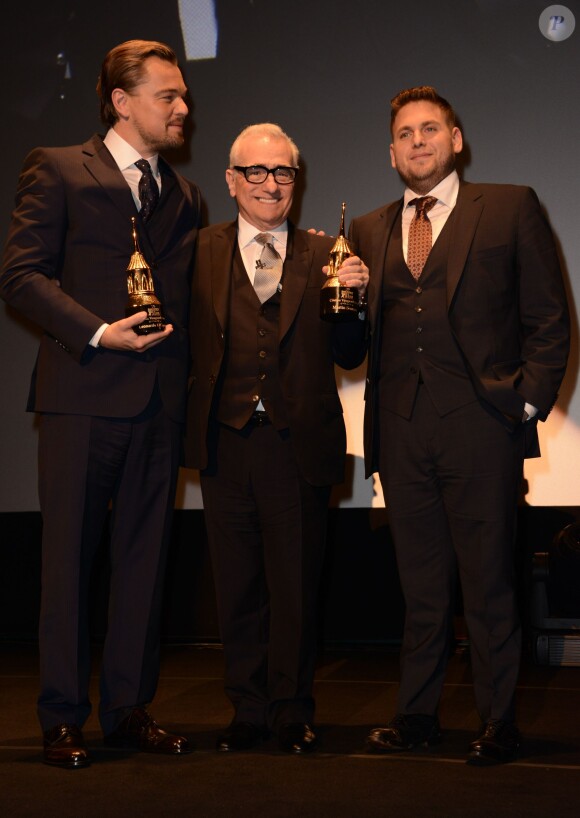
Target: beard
[[161, 143], [423, 182]]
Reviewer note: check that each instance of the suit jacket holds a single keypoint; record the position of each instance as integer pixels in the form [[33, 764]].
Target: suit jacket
[[64, 267], [506, 302], [308, 349]]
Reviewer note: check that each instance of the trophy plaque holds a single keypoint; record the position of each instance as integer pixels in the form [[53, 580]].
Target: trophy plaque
[[337, 302], [142, 296]]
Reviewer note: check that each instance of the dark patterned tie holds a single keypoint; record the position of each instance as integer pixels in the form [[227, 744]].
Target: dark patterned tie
[[148, 190], [268, 268], [420, 235]]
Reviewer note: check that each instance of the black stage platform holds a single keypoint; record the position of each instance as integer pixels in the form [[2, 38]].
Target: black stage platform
[[355, 691]]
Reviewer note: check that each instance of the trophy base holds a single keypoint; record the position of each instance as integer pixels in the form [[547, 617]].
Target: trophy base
[[339, 303], [155, 321]]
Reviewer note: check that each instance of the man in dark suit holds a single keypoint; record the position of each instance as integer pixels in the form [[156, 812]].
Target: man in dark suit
[[265, 427], [469, 341], [111, 402]]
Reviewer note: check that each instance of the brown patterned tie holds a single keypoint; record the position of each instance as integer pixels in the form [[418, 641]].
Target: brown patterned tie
[[420, 235], [268, 268]]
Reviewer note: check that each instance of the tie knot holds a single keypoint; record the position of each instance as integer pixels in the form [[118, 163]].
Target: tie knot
[[143, 165], [264, 238], [423, 205]]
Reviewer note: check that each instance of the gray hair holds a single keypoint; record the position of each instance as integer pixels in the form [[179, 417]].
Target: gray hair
[[268, 129]]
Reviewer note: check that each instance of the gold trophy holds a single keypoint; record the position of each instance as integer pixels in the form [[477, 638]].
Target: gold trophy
[[337, 302], [142, 296]]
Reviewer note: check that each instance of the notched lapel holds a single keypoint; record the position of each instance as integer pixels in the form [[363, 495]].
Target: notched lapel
[[379, 241], [466, 217], [103, 168], [297, 266], [222, 247]]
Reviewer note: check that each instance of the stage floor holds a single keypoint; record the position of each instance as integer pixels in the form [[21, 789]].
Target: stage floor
[[355, 691]]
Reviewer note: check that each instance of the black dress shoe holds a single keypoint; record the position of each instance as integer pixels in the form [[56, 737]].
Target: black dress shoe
[[404, 732], [297, 737], [141, 732], [498, 743], [240, 735], [64, 746]]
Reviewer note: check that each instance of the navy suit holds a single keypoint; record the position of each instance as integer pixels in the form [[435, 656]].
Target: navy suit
[[110, 421]]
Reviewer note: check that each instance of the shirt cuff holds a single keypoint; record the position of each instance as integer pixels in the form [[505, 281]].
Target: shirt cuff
[[529, 412], [94, 342]]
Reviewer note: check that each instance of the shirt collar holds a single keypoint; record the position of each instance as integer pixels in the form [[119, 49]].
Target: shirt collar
[[125, 154], [247, 232], [445, 192]]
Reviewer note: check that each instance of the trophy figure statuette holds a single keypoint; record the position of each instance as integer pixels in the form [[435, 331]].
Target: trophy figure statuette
[[337, 302], [142, 296]]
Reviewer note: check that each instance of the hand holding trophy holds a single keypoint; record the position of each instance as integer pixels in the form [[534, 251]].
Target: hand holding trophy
[[337, 302], [142, 296]]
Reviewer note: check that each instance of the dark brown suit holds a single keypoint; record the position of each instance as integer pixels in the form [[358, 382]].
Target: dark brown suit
[[110, 420], [451, 478], [266, 489]]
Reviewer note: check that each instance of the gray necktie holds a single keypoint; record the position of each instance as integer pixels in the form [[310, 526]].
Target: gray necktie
[[268, 268], [148, 189]]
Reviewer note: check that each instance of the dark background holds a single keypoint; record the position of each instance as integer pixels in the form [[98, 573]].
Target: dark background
[[324, 71]]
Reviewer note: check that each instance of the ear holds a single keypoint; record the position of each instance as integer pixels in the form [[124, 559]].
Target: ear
[[231, 182], [457, 140], [120, 100], [392, 152]]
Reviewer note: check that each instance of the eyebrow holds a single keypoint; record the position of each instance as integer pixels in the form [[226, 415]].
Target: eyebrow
[[404, 128], [422, 125], [171, 90]]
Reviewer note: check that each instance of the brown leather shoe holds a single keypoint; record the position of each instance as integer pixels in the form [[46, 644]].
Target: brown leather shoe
[[497, 743], [64, 746], [140, 731], [405, 732], [297, 737]]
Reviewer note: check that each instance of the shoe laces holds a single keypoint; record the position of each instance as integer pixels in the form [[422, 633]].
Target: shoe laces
[[494, 727]]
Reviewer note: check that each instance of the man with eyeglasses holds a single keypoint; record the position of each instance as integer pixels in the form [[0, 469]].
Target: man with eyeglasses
[[265, 428]]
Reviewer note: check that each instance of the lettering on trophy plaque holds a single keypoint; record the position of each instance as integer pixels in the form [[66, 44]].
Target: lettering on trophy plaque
[[337, 302]]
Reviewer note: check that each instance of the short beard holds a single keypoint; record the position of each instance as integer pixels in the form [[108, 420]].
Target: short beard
[[423, 184], [168, 142]]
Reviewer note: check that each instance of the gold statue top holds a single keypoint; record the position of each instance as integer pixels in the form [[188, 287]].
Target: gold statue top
[[340, 250], [139, 278]]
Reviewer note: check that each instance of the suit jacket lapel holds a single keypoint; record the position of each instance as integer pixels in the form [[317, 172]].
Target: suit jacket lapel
[[222, 246], [101, 165], [379, 241], [466, 216], [297, 265]]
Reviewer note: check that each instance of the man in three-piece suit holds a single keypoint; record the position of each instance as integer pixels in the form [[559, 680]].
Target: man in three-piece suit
[[265, 428], [111, 402], [469, 341]]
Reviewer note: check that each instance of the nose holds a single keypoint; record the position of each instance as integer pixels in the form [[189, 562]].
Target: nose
[[418, 138], [181, 107], [270, 184]]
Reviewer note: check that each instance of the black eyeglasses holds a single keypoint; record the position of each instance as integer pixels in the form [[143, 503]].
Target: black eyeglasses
[[256, 174]]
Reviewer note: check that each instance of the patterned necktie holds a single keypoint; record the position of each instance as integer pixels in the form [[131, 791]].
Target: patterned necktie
[[420, 235], [268, 268], [148, 190]]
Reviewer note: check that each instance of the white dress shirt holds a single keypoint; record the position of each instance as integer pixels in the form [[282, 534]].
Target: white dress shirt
[[251, 249], [125, 156]]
